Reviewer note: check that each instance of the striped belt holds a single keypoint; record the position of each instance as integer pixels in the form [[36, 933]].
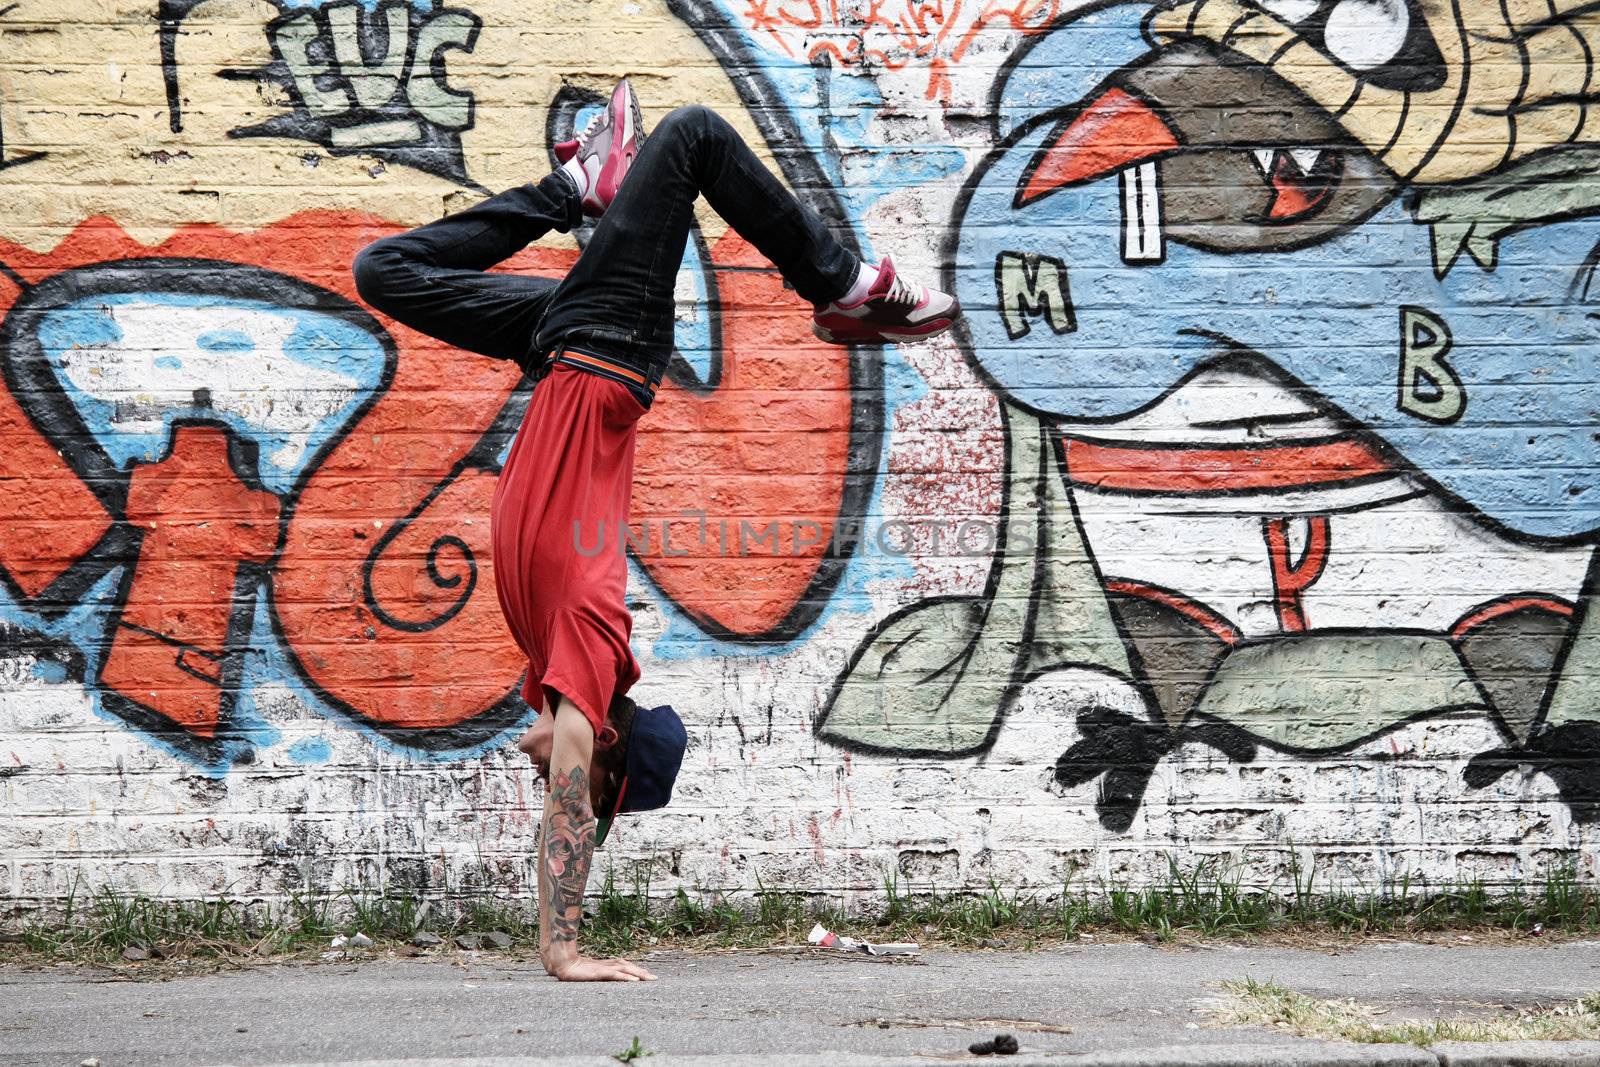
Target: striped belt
[[605, 367]]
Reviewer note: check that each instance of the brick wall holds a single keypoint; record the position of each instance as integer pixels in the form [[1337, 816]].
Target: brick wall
[[1252, 512]]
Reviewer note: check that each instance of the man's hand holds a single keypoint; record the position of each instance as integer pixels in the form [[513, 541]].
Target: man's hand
[[589, 969]]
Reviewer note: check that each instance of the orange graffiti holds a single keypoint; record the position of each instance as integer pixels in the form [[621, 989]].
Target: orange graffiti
[[769, 446], [1290, 580], [893, 35], [401, 626], [378, 563], [169, 649]]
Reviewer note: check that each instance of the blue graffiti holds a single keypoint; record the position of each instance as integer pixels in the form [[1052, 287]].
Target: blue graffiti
[[1521, 451], [133, 363]]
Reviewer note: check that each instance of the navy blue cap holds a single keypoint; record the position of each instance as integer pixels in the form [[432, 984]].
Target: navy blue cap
[[655, 747]]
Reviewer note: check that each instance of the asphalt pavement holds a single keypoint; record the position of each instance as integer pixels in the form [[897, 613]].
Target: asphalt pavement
[[1091, 1005]]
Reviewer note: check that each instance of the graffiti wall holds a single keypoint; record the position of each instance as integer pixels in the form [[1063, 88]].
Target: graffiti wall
[[1251, 512]]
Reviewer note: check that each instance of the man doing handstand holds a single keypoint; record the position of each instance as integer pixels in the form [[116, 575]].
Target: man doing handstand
[[597, 343]]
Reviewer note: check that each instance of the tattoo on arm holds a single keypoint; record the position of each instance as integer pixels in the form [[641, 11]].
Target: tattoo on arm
[[568, 850]]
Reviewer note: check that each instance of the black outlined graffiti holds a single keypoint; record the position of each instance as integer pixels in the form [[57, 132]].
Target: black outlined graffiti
[[1255, 218], [770, 112], [409, 569], [195, 527], [369, 79]]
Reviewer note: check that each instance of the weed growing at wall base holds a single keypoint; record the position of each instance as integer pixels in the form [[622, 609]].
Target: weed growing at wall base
[[1269, 1003], [1206, 901]]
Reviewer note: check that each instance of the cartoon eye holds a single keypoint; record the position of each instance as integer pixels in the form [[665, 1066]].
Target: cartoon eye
[[1291, 10], [1365, 34], [1387, 42]]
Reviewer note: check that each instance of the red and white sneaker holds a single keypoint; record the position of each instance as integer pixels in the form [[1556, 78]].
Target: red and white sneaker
[[894, 309], [602, 154]]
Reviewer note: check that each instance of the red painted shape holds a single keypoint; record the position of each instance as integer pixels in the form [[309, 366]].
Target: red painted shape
[[50, 517], [1189, 608], [1510, 606], [1295, 194], [1113, 132], [437, 407], [1135, 468], [436, 652], [200, 521], [770, 444], [940, 86], [1290, 580], [1290, 201]]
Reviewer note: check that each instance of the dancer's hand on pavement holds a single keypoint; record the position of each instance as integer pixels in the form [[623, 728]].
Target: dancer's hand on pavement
[[589, 969]]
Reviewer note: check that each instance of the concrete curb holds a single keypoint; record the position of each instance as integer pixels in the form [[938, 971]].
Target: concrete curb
[[1517, 1053], [1320, 1054]]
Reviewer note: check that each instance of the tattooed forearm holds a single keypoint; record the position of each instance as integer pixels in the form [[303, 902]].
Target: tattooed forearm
[[568, 850]]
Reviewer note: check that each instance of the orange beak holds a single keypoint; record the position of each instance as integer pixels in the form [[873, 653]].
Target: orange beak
[[1116, 130]]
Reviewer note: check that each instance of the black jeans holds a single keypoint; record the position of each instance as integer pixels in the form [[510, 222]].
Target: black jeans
[[617, 301]]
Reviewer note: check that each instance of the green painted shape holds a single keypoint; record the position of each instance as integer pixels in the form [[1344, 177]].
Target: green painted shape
[[1072, 625], [1577, 685], [1473, 216], [1325, 691], [1424, 343], [936, 677], [931, 681]]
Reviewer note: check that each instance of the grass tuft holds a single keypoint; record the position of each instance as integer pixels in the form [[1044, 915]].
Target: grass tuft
[[1267, 1003], [633, 1052]]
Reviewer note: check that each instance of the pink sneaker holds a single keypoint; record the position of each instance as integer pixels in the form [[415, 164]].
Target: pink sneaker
[[606, 149], [893, 310]]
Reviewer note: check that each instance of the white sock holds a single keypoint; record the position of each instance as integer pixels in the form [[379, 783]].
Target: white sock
[[579, 178], [858, 292]]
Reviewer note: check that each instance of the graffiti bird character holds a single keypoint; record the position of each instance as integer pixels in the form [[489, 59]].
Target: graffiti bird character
[[1292, 309]]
